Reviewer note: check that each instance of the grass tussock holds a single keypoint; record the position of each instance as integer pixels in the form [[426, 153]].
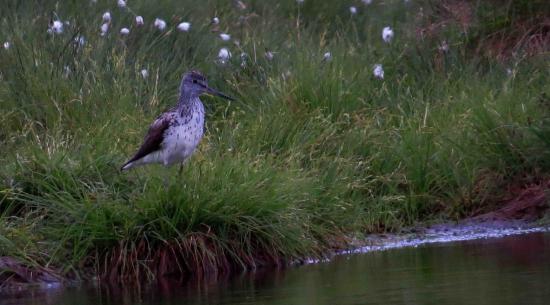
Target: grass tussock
[[312, 152]]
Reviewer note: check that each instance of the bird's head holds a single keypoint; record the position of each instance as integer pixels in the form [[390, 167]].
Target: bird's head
[[194, 83]]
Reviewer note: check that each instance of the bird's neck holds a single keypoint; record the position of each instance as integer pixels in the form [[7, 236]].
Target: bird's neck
[[187, 102]]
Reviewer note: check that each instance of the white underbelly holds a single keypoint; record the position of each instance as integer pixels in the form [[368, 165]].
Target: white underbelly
[[181, 143]]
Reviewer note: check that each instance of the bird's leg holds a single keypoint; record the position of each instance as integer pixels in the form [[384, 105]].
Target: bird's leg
[[181, 169], [166, 181]]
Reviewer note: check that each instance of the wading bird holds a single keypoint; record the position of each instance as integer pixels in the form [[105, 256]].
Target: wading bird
[[176, 133]]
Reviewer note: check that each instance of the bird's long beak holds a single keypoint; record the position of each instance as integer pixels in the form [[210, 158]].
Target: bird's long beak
[[218, 93]]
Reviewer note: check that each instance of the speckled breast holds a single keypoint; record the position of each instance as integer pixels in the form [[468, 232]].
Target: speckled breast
[[184, 136]]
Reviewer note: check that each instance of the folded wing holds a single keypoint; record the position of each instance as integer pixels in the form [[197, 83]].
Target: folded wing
[[153, 139]]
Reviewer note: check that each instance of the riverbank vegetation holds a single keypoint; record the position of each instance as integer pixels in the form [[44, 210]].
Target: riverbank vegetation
[[315, 149]]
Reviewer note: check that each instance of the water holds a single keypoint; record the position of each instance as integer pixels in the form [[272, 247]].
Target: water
[[509, 270]]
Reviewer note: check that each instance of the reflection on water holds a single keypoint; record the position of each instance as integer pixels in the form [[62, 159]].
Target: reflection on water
[[510, 270]]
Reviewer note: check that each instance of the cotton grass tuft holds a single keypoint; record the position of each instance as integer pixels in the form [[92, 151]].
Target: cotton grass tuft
[[387, 34], [56, 27], [378, 71], [139, 21], [225, 37], [104, 29], [144, 73], [106, 17], [224, 55], [184, 26], [160, 24]]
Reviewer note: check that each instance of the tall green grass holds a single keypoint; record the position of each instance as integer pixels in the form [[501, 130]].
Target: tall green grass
[[311, 153]]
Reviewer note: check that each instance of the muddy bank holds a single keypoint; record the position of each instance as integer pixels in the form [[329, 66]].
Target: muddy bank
[[521, 210], [14, 276], [443, 233], [518, 212], [524, 203]]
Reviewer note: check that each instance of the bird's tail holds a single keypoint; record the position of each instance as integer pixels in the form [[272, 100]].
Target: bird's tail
[[127, 166], [132, 163]]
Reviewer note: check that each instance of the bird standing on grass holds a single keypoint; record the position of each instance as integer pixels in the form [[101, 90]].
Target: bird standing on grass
[[176, 133]]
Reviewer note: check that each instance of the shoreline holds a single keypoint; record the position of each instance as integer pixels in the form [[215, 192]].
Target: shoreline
[[439, 233], [524, 213], [446, 233]]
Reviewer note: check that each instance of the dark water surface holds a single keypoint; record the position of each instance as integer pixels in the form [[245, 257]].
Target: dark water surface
[[510, 270]]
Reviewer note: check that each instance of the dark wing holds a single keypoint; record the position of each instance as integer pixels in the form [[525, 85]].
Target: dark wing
[[153, 139]]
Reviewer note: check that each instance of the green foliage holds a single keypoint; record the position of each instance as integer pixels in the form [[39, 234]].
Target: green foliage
[[311, 152]]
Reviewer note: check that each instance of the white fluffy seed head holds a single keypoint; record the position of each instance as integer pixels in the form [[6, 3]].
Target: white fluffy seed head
[[225, 37], [224, 54], [144, 73], [139, 21], [378, 71], [444, 46], [124, 31], [353, 10], [121, 3], [160, 24], [184, 26], [327, 56], [104, 29], [7, 45], [56, 27], [387, 34], [106, 17], [215, 20], [269, 55]]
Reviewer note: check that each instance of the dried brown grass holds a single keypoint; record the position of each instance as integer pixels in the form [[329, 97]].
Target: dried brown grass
[[198, 255], [523, 36]]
